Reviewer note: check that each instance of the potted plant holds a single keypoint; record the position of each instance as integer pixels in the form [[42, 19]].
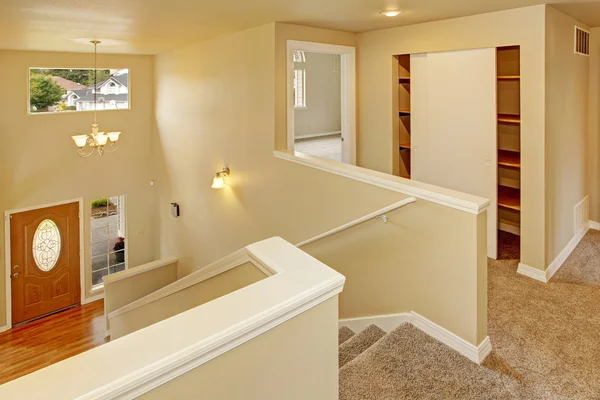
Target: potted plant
[[119, 249]]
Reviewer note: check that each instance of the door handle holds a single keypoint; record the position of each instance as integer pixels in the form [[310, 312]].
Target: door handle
[[16, 275]]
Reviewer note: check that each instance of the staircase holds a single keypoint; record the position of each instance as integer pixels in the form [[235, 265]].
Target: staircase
[[408, 364]]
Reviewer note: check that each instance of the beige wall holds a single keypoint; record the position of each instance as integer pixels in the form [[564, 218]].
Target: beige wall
[[323, 95], [185, 299], [39, 164], [524, 27], [567, 82], [428, 258], [294, 361], [593, 135], [210, 113]]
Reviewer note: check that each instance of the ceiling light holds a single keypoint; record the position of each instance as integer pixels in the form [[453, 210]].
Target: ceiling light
[[391, 13], [95, 141]]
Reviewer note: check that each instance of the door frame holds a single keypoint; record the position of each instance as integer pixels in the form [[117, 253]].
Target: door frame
[[7, 252], [348, 93]]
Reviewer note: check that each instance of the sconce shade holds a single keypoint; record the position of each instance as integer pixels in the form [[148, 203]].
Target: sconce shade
[[218, 182], [80, 140]]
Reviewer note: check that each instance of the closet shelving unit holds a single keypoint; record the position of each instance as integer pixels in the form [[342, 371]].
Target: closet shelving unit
[[404, 114], [509, 138]]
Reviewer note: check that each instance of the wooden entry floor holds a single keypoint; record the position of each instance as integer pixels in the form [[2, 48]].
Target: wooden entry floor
[[48, 340]]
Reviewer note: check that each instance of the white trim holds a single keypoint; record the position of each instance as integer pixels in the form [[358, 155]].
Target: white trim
[[360, 220], [545, 276], [315, 135], [7, 251], [91, 299], [148, 358], [218, 267], [531, 272], [388, 323], [4, 328], [129, 272], [449, 198], [348, 92], [594, 225], [566, 252]]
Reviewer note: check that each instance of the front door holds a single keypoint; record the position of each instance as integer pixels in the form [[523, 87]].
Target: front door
[[44, 256]]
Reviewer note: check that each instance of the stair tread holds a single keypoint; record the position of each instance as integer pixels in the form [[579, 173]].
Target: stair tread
[[360, 342], [344, 334]]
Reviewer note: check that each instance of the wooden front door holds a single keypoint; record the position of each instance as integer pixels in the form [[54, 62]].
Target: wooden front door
[[44, 254]]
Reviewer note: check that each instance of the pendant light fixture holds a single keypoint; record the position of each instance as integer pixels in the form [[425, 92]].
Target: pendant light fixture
[[96, 141]]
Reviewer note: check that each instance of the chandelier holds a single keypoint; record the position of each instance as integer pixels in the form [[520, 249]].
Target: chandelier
[[96, 141]]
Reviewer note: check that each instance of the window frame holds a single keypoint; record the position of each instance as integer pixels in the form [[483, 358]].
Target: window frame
[[28, 104], [121, 232]]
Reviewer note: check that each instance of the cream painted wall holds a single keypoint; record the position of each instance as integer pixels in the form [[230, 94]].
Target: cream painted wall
[[593, 135], [266, 196], [427, 258], [524, 27], [323, 95], [39, 164], [223, 115], [293, 361], [567, 95], [185, 299], [283, 33]]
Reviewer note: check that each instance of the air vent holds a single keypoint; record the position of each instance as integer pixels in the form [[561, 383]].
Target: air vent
[[582, 41]]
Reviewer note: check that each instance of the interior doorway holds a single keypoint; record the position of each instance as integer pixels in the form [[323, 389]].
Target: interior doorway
[[321, 100], [44, 267]]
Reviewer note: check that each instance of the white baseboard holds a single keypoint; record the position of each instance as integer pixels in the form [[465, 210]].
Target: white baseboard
[[594, 225], [315, 135], [544, 276], [388, 323], [531, 272], [93, 298], [566, 252], [4, 328]]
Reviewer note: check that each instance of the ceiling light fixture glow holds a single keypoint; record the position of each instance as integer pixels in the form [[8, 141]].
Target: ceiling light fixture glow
[[391, 13]]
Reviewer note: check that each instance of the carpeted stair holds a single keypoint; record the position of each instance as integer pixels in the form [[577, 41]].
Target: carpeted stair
[[409, 364]]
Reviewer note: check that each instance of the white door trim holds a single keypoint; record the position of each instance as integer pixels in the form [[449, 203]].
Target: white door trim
[[348, 94], [7, 260]]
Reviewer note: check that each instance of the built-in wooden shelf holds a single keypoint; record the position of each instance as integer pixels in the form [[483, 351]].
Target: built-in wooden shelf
[[507, 158], [404, 112], [509, 77], [509, 118], [404, 79], [405, 146], [509, 198]]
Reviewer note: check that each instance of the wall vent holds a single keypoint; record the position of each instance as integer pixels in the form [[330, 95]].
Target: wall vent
[[582, 211], [582, 41]]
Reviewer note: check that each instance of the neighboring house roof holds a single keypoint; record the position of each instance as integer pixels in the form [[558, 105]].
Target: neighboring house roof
[[121, 80], [107, 97], [67, 84]]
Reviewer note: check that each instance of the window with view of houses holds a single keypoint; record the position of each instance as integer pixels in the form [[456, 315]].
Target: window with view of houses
[[108, 225], [60, 90]]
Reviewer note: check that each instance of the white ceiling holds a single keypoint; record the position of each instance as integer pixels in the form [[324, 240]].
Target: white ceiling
[[153, 26]]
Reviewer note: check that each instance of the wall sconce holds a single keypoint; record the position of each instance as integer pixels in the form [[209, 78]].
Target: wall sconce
[[218, 181]]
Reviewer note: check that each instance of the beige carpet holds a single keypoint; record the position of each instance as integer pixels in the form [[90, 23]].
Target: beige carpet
[[546, 340], [329, 147]]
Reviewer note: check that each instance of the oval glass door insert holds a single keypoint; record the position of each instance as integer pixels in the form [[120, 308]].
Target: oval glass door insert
[[46, 245]]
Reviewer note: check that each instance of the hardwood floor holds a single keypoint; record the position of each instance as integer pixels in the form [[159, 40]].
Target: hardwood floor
[[49, 340]]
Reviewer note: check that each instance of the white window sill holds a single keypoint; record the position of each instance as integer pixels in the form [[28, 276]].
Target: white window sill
[[449, 198], [300, 108]]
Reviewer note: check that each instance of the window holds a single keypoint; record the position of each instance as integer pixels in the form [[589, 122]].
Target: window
[[108, 225], [299, 88], [53, 90]]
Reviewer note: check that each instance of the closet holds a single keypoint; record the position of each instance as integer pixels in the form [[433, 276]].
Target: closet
[[509, 141]]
